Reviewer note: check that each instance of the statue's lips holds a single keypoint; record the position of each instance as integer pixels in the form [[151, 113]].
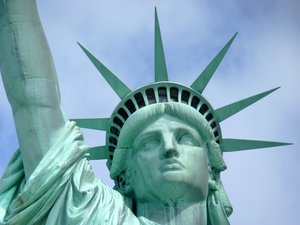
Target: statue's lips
[[171, 165]]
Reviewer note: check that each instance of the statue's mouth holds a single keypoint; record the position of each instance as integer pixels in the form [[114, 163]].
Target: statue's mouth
[[171, 165]]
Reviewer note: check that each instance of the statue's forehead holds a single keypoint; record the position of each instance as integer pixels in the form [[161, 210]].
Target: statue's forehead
[[169, 123]]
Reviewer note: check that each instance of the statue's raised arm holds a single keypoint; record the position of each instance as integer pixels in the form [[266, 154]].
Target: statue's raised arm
[[29, 79], [164, 146]]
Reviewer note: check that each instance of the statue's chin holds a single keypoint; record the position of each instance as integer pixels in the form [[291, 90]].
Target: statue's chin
[[170, 183], [174, 189]]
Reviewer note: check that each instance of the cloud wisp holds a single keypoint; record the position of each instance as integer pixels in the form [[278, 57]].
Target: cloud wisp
[[262, 184]]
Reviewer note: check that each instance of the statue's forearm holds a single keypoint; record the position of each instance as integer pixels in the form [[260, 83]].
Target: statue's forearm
[[24, 51], [29, 79]]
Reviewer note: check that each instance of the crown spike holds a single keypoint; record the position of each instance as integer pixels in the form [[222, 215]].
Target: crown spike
[[201, 82], [117, 85], [232, 145], [97, 153], [229, 110], [161, 73], [93, 123]]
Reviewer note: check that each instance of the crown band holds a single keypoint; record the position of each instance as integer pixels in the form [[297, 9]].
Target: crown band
[[159, 92]]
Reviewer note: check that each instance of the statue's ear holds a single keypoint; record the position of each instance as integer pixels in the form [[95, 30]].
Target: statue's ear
[[124, 186], [215, 157]]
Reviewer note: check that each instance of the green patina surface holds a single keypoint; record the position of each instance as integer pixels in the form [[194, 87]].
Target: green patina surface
[[164, 146]]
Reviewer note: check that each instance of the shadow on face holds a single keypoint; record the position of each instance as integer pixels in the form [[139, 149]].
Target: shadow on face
[[169, 162]]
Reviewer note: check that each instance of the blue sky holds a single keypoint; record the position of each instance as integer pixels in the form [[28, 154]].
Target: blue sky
[[262, 185]]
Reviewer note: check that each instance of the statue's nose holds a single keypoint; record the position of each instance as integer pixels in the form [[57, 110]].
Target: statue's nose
[[170, 148]]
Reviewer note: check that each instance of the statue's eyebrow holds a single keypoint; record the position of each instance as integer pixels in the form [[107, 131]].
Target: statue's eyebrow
[[191, 131], [143, 136], [188, 130], [149, 130], [149, 133]]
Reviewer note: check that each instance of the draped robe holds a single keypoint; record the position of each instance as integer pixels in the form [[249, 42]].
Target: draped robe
[[62, 190]]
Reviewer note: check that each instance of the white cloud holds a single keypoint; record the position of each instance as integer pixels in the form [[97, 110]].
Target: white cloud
[[262, 184]]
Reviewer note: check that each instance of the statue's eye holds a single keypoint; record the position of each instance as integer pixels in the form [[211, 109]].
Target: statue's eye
[[186, 138], [150, 142]]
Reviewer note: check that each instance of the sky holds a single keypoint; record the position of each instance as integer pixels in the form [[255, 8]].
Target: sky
[[263, 185]]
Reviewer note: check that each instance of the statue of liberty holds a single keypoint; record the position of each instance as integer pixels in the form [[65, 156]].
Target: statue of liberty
[[164, 146]]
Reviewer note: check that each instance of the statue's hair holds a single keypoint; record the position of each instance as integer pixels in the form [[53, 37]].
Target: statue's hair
[[149, 114]]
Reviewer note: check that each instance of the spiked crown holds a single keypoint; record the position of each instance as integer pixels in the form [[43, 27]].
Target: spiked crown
[[163, 90]]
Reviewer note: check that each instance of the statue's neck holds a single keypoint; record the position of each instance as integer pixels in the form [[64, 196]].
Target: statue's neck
[[173, 213]]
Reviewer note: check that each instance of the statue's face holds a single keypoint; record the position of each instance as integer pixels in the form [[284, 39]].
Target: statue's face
[[170, 163]]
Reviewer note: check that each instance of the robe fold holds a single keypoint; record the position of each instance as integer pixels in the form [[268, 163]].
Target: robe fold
[[62, 190]]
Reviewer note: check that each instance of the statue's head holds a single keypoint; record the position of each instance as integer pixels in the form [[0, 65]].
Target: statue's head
[[163, 134], [167, 152], [164, 139]]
